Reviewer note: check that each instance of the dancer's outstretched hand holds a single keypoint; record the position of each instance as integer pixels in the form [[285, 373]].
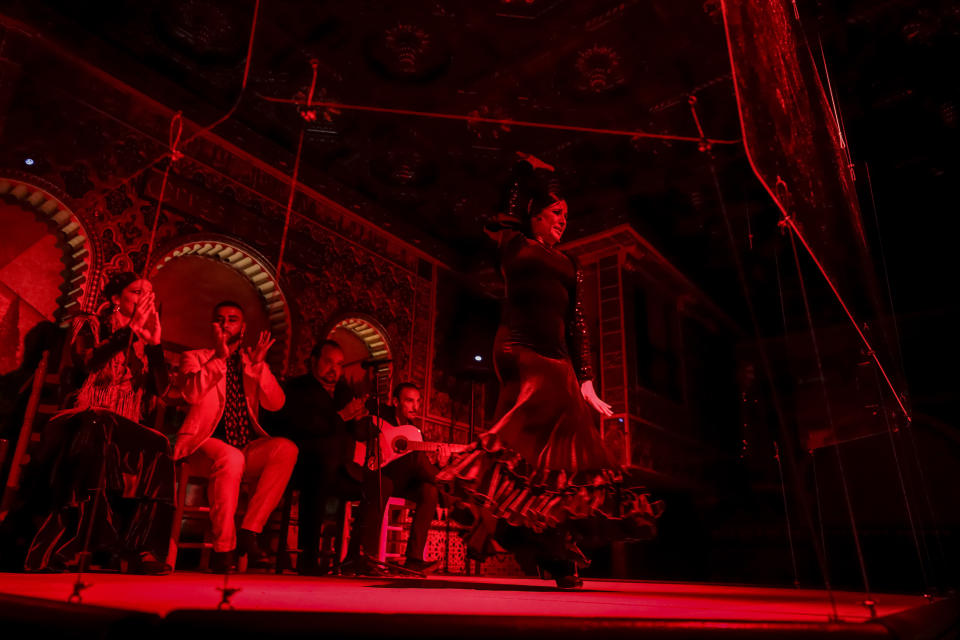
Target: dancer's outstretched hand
[[258, 353], [590, 395], [534, 161]]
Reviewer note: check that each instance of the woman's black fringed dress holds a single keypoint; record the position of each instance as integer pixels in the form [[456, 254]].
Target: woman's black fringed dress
[[540, 483]]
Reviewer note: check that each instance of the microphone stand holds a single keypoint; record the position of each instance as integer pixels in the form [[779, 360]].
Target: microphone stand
[[374, 441]]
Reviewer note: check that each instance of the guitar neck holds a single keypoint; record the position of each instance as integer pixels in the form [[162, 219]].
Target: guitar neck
[[434, 446]]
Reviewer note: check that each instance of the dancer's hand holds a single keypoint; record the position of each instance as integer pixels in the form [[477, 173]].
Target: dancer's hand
[[534, 161], [258, 353], [220, 339], [145, 322], [151, 327], [590, 395]]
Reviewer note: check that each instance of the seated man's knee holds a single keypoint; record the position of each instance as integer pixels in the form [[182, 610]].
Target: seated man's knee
[[286, 450], [229, 462]]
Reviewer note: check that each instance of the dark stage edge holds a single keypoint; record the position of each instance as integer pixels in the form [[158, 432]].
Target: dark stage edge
[[184, 606]]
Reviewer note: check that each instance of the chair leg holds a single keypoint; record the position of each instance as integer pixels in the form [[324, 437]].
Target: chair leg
[[282, 544], [344, 513], [181, 476], [384, 532]]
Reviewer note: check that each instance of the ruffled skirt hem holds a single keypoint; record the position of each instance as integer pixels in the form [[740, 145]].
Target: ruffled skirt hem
[[494, 489]]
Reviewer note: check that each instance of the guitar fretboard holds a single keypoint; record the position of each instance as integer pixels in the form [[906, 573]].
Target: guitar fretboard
[[434, 446]]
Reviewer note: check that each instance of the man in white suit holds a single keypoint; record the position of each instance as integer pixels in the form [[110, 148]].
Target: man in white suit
[[225, 388]]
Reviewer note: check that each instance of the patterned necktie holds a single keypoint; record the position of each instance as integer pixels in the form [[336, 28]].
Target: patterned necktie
[[236, 421]]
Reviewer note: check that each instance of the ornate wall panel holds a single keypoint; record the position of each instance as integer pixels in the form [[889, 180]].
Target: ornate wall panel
[[95, 139]]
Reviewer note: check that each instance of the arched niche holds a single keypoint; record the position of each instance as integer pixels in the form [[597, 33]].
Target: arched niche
[[191, 277], [364, 339], [45, 258]]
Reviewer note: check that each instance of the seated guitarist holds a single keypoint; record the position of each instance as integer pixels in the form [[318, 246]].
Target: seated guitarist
[[410, 476], [325, 420]]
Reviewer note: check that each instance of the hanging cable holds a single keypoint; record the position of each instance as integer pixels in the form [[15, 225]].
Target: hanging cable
[[835, 109], [883, 265], [637, 134], [908, 427], [923, 483], [819, 501], [293, 191], [176, 130], [813, 458], [101, 199], [832, 426], [819, 551], [921, 551], [783, 486], [791, 223], [308, 115], [788, 219], [786, 514]]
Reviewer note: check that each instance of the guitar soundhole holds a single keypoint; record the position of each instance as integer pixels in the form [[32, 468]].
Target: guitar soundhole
[[400, 445]]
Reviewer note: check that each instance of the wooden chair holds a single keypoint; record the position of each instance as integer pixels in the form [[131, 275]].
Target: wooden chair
[[394, 530], [187, 475], [41, 405], [187, 510], [335, 532]]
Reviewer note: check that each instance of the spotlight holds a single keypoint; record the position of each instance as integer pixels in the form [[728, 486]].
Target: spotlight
[[28, 162], [478, 358]]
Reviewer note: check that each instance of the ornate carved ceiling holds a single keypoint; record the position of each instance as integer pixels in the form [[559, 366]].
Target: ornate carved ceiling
[[619, 64]]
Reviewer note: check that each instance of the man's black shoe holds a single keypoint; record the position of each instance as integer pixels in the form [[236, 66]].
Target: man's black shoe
[[313, 567], [422, 566], [248, 545], [372, 570], [364, 567], [568, 582], [145, 563], [223, 562]]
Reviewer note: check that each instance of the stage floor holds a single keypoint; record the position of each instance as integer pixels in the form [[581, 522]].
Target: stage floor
[[656, 603], [458, 595]]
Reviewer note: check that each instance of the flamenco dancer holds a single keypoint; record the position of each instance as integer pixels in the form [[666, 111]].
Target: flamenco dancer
[[540, 483], [106, 481]]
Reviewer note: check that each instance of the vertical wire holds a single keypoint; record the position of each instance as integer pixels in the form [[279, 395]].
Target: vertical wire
[[830, 422], [903, 486], [924, 487], [783, 486], [923, 483], [768, 370], [786, 513], [816, 490], [883, 264]]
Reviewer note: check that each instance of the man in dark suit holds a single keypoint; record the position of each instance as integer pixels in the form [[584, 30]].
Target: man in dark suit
[[324, 418], [411, 476]]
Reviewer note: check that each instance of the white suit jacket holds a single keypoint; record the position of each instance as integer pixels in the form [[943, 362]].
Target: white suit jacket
[[203, 383]]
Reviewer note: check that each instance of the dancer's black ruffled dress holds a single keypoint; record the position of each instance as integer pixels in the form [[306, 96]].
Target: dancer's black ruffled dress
[[540, 482], [97, 472]]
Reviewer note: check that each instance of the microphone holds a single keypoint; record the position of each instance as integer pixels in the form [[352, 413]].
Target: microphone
[[370, 363]]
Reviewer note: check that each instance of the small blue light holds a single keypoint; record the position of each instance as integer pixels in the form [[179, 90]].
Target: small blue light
[[478, 358], [28, 162]]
